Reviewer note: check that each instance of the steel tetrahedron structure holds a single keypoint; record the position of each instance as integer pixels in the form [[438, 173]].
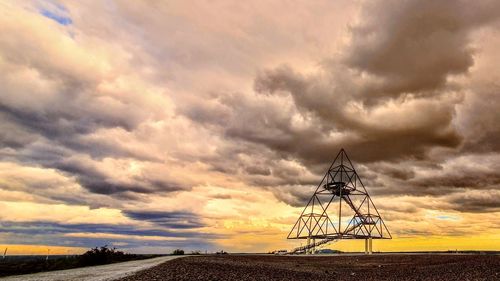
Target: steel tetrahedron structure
[[340, 208]]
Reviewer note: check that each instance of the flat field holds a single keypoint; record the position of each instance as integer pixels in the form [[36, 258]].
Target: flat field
[[335, 267]]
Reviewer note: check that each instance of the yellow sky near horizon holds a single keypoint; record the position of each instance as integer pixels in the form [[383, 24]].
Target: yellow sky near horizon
[[421, 244]]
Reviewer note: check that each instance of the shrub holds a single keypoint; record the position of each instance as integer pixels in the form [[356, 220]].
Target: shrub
[[178, 252], [102, 255]]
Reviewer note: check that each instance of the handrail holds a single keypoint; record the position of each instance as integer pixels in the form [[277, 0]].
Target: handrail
[[310, 246]]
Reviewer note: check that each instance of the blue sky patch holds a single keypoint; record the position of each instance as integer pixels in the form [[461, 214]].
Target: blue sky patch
[[63, 20], [56, 12]]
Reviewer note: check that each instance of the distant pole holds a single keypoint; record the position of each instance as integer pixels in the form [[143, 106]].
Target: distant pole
[[48, 252], [5, 253]]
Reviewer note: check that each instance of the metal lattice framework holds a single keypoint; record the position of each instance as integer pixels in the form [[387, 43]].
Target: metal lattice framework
[[352, 216]]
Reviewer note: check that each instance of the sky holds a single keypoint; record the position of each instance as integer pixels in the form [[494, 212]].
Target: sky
[[206, 125]]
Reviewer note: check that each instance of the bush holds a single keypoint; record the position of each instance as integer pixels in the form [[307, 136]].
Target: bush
[[103, 255], [178, 252]]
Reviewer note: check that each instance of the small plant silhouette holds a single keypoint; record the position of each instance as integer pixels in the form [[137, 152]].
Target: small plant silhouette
[[178, 252], [102, 255]]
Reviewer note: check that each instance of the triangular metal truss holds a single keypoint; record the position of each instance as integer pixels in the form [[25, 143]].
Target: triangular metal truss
[[352, 216]]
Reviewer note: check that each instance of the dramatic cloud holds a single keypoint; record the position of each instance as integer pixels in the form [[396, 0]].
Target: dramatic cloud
[[180, 220], [175, 124], [79, 235], [413, 47]]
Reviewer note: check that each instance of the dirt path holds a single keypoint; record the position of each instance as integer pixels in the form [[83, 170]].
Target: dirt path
[[376, 267], [93, 273]]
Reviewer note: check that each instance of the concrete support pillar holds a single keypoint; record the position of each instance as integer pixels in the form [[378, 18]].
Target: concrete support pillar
[[308, 251], [370, 242], [313, 249], [366, 246]]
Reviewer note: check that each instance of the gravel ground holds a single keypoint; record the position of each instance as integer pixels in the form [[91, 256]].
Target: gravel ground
[[92, 273], [375, 267]]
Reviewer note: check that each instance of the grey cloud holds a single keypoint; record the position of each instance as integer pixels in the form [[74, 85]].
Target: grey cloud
[[440, 184], [98, 182], [479, 117], [478, 172], [258, 170], [90, 174], [296, 196], [467, 179], [394, 171], [44, 227], [475, 201], [64, 129], [365, 140], [413, 46], [171, 220], [52, 233]]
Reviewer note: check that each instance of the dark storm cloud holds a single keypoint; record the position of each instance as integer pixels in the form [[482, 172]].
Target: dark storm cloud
[[393, 171], [414, 46], [258, 170], [90, 176], [257, 166], [440, 182], [365, 140], [468, 173], [94, 180], [467, 179], [296, 196], [63, 128], [174, 220], [480, 118], [279, 173], [399, 188], [98, 182], [58, 123], [207, 111], [475, 201]]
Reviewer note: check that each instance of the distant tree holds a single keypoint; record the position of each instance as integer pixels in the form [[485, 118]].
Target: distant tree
[[102, 255], [178, 252]]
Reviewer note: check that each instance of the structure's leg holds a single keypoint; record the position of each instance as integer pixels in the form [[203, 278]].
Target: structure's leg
[[308, 251], [366, 246], [370, 245], [313, 249]]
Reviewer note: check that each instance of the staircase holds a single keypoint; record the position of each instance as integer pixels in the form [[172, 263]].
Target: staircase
[[362, 219], [310, 246]]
